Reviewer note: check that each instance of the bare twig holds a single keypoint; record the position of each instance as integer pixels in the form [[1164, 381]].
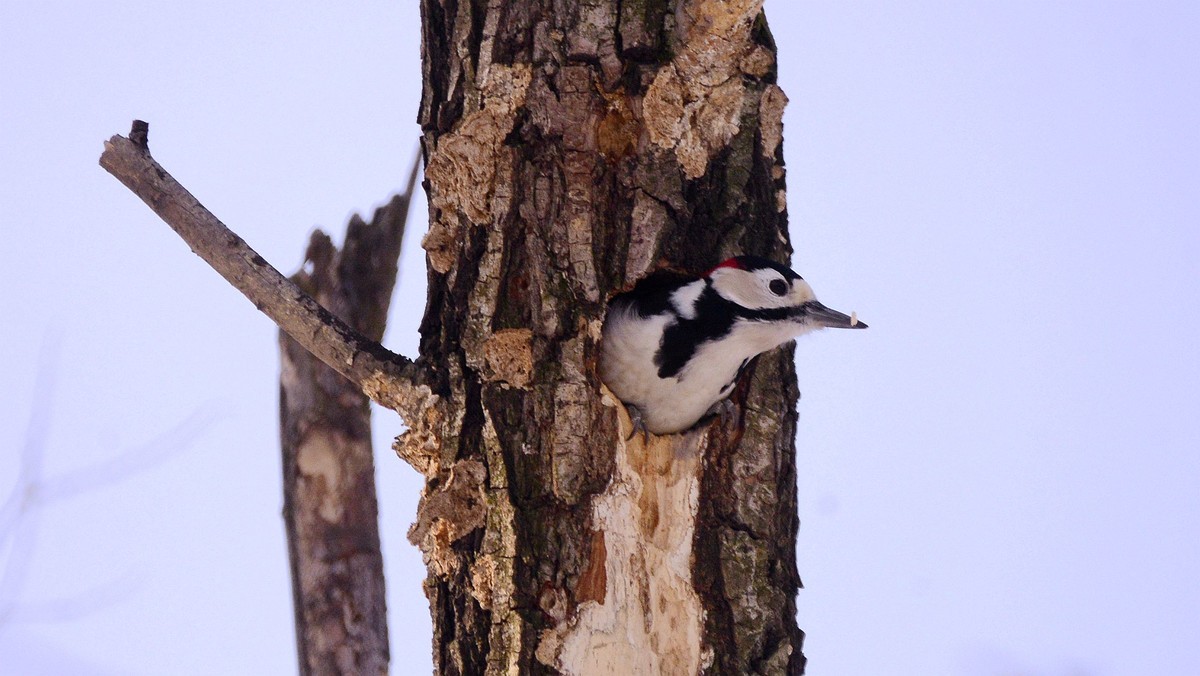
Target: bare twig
[[29, 472], [91, 600], [384, 376], [18, 521], [130, 461], [20, 514]]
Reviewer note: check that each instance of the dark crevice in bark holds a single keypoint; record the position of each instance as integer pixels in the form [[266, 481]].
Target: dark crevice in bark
[[436, 40], [515, 36], [512, 306], [470, 441], [475, 41], [761, 34], [431, 338]]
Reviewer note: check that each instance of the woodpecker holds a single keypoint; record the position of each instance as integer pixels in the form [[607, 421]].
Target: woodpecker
[[673, 347]]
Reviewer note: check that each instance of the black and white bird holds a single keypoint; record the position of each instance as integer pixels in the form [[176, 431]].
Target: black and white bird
[[674, 346]]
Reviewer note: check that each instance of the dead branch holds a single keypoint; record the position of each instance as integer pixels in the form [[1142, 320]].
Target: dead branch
[[330, 504], [390, 379]]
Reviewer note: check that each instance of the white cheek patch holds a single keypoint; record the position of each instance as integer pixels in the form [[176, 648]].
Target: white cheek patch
[[741, 287], [753, 289]]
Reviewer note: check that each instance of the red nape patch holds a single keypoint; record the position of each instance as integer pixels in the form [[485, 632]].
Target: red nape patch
[[735, 262]]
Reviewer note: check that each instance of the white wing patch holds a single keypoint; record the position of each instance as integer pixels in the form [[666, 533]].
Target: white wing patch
[[684, 298]]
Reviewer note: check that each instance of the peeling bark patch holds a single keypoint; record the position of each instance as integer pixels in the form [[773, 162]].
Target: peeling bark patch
[[549, 645], [695, 102], [663, 107], [770, 115], [650, 618], [462, 169], [618, 131], [758, 62], [436, 551], [483, 580], [508, 355], [717, 119], [693, 119], [441, 243], [419, 446], [406, 399], [449, 512]]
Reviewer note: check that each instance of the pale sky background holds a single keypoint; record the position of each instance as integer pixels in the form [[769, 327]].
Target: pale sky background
[[1000, 477]]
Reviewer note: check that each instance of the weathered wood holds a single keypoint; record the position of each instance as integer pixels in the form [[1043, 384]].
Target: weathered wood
[[573, 146], [330, 508]]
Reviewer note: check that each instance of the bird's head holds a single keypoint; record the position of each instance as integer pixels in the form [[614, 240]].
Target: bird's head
[[773, 292]]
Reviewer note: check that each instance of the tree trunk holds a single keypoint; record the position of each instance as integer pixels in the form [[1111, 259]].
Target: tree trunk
[[572, 146]]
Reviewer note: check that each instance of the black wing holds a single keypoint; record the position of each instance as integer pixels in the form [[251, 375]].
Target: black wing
[[652, 294]]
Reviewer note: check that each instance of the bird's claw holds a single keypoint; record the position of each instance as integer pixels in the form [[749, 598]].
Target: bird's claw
[[637, 424], [724, 411]]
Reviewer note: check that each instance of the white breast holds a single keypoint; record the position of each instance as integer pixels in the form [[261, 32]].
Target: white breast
[[627, 354], [674, 404]]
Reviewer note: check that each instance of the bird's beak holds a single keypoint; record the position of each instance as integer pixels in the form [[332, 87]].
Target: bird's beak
[[820, 315]]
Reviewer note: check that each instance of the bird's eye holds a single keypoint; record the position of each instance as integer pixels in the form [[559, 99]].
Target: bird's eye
[[778, 287]]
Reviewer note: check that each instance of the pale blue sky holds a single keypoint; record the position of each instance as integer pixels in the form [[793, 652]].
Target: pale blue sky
[[1002, 476]]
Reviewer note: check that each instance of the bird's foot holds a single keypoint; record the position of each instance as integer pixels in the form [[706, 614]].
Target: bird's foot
[[724, 411], [637, 424]]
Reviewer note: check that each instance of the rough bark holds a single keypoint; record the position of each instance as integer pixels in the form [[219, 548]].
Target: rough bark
[[572, 146], [330, 508]]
